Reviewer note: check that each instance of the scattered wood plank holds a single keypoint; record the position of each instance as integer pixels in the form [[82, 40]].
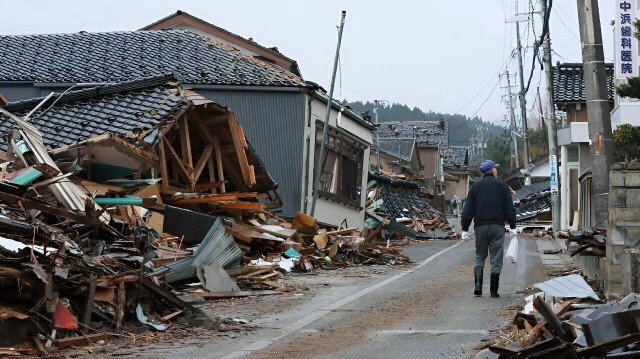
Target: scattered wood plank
[[168, 317], [80, 340], [243, 293]]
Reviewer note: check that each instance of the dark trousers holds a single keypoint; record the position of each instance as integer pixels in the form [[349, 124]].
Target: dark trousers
[[490, 241]]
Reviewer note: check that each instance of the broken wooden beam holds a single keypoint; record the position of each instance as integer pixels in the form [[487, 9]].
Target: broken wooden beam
[[79, 340], [229, 294]]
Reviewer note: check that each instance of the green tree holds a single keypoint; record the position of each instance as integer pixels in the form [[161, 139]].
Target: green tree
[[626, 143]]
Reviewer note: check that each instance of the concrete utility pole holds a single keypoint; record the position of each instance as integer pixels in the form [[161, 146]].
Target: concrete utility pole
[[551, 125], [514, 138], [598, 115], [523, 113], [318, 172]]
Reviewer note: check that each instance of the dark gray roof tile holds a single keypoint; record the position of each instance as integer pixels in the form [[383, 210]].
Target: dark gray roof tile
[[79, 115], [127, 56], [569, 86]]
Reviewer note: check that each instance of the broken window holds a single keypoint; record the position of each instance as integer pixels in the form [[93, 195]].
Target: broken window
[[341, 174]]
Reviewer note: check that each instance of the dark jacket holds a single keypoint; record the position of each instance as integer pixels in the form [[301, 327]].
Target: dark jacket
[[488, 202]]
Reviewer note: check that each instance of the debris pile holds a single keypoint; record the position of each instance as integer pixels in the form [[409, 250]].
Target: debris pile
[[94, 244], [590, 241], [401, 209], [568, 320]]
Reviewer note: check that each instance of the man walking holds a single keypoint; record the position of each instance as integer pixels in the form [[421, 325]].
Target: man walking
[[489, 205], [455, 206]]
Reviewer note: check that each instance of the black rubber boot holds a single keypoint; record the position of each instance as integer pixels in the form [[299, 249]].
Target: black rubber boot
[[493, 287], [478, 281]]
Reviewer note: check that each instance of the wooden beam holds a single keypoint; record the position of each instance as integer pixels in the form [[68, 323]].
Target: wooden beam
[[60, 212], [186, 172], [216, 146], [240, 143], [248, 206], [207, 186], [76, 341], [185, 141], [164, 174], [243, 293], [204, 158]]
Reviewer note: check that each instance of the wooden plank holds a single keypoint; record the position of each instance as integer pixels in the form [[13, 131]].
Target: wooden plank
[[77, 341], [256, 273], [239, 144], [243, 293], [168, 317], [86, 316], [211, 185], [247, 206], [341, 231]]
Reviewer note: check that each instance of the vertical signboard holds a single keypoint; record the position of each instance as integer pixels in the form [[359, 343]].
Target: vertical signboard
[[625, 44], [553, 174]]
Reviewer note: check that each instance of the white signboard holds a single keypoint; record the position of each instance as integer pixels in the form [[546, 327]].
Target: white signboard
[[625, 44], [553, 174]]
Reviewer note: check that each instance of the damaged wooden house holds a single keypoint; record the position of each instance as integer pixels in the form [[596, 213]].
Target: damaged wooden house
[[179, 146], [281, 114]]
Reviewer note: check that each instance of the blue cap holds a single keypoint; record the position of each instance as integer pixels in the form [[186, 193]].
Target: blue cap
[[487, 166]]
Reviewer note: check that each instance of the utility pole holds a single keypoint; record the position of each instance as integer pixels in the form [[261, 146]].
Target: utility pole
[[513, 126], [551, 124], [523, 113], [598, 116], [318, 172], [377, 138]]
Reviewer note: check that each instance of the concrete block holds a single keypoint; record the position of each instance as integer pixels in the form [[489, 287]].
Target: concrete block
[[616, 179]]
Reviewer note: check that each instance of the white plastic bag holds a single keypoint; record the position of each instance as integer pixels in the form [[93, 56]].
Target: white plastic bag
[[512, 251]]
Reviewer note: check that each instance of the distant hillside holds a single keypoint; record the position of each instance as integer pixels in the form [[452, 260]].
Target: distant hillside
[[461, 128]]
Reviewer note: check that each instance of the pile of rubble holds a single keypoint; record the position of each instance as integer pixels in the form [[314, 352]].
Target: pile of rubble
[[568, 320], [590, 241], [399, 207], [94, 245]]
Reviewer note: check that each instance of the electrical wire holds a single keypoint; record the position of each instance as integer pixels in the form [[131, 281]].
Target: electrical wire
[[485, 100]]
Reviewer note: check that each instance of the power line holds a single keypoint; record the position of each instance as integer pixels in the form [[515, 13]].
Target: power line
[[485, 100]]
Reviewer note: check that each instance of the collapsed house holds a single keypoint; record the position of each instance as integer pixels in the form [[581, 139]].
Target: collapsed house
[[399, 207], [112, 196]]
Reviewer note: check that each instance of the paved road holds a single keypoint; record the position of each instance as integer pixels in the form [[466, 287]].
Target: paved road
[[424, 310]]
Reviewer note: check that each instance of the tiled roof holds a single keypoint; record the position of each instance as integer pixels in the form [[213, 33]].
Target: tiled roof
[[399, 148], [117, 109], [426, 133], [532, 200], [455, 156], [402, 198], [569, 86], [126, 56]]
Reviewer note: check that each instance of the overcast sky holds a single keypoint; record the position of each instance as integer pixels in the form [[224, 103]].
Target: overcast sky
[[438, 55]]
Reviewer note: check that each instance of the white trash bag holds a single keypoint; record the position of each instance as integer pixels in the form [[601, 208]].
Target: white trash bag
[[512, 251]]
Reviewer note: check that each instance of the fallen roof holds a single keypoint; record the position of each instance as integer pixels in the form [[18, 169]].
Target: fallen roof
[[124, 56], [78, 115]]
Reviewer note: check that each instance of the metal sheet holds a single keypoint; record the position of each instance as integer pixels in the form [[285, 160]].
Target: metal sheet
[[217, 245], [571, 286]]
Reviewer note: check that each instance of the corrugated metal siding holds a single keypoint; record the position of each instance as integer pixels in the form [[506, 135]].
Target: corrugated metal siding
[[274, 123]]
